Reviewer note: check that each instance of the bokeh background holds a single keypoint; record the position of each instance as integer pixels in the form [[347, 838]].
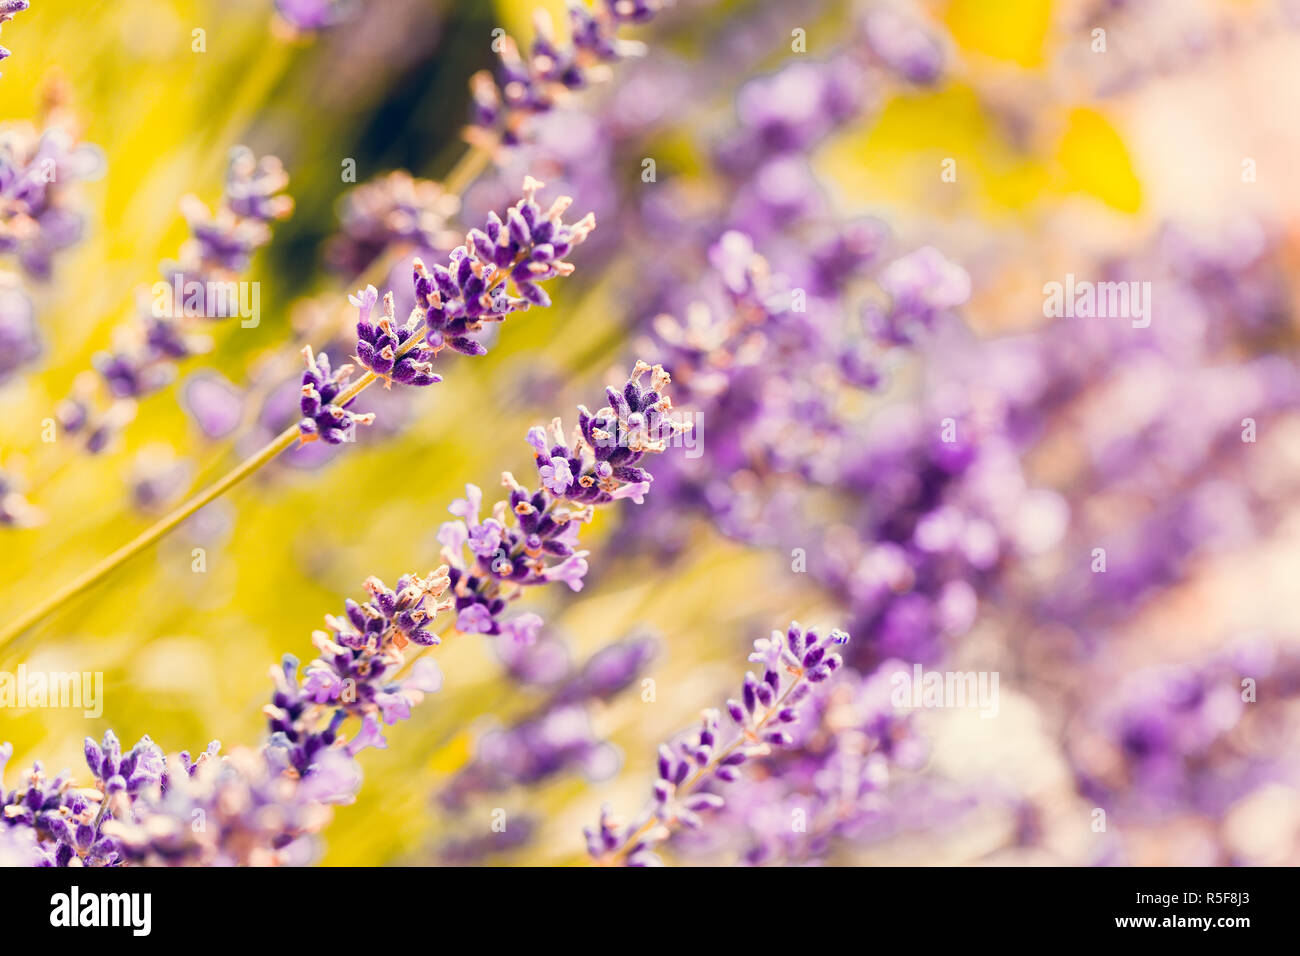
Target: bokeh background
[[1067, 160]]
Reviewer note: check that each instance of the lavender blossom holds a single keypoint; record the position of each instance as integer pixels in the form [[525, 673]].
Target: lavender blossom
[[380, 344], [526, 248], [195, 287], [8, 8], [1185, 737], [528, 86], [355, 674], [539, 546], [395, 210], [39, 173], [322, 418], [900, 42], [451, 303], [838, 774], [692, 768], [472, 850], [235, 811], [224, 241], [67, 821]]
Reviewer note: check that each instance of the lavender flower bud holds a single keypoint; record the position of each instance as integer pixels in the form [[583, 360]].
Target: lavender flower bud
[[677, 800]]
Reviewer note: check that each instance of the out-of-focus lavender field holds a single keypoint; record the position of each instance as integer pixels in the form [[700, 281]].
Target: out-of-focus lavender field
[[961, 334]]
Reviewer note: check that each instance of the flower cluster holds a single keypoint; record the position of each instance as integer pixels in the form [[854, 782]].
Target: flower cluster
[[386, 348], [250, 807], [224, 241], [692, 768], [898, 41], [264, 807], [532, 85], [39, 171], [322, 416], [66, 821], [526, 248], [597, 466], [1187, 736], [40, 168], [846, 755], [232, 811], [8, 8], [452, 303], [356, 673], [195, 287], [394, 210]]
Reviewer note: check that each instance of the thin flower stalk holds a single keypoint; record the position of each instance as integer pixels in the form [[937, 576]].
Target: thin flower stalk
[[692, 768], [266, 807], [517, 252]]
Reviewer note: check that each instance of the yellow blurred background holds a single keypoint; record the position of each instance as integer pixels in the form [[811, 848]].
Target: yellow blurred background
[[185, 656]]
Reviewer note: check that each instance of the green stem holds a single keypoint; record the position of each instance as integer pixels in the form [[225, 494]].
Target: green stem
[[152, 534], [747, 735], [147, 537]]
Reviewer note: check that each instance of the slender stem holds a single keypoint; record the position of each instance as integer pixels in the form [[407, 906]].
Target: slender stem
[[687, 788], [241, 471], [168, 523], [467, 169], [148, 536]]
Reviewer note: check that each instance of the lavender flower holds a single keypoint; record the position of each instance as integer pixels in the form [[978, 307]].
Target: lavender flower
[[692, 768], [471, 850], [528, 247], [392, 210], [900, 43], [921, 286], [1181, 737], [844, 759], [451, 303], [322, 418], [39, 173], [355, 673], [65, 820], [789, 112], [380, 344], [8, 8], [539, 546], [556, 740], [195, 287], [224, 241], [236, 811], [527, 87]]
